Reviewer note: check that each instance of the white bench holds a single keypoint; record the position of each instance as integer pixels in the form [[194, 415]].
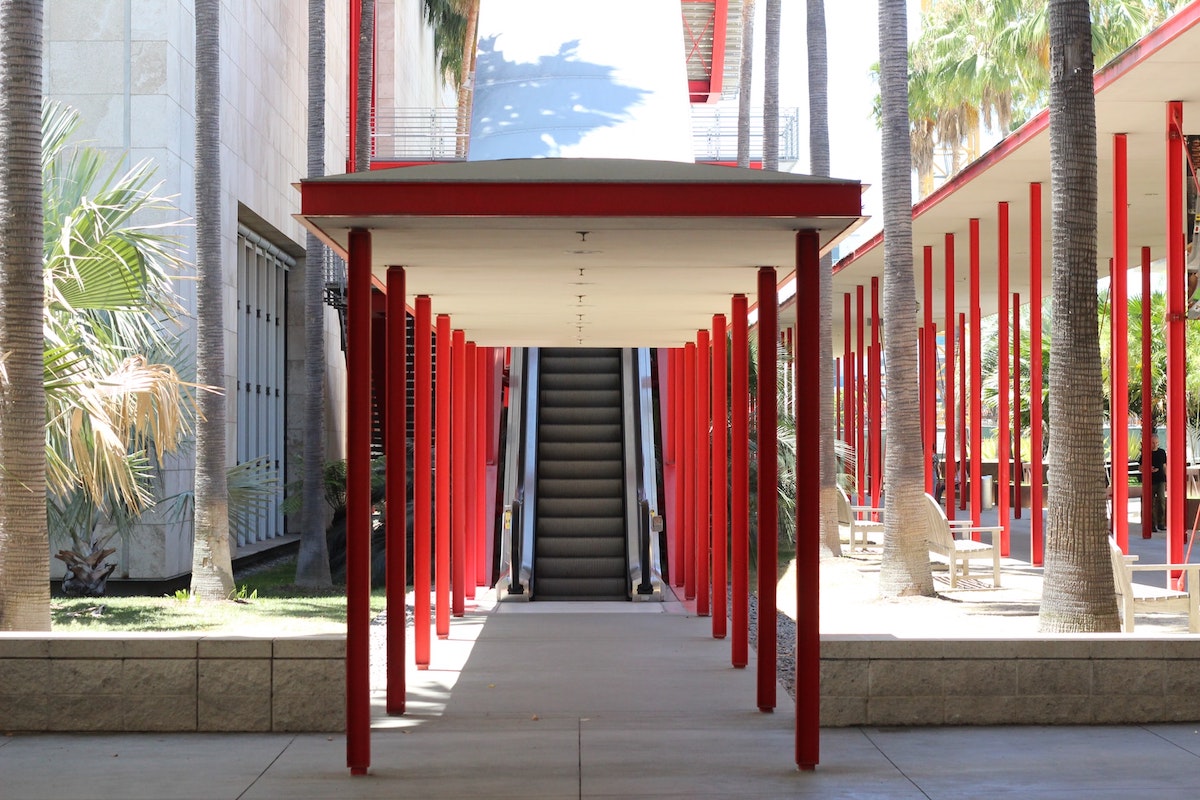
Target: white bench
[[853, 527], [959, 553], [1133, 597]]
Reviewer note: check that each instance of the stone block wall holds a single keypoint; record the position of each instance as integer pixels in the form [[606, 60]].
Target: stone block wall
[[171, 683]]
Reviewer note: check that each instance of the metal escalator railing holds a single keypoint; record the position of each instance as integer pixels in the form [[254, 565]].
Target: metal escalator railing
[[641, 478], [520, 477]]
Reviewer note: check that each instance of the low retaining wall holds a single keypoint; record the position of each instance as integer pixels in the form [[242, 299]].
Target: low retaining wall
[[171, 683], [1066, 680]]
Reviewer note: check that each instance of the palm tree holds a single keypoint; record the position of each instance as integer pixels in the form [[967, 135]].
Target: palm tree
[[1077, 593], [312, 560], [24, 568], [771, 86], [744, 84], [905, 567], [212, 568], [818, 148]]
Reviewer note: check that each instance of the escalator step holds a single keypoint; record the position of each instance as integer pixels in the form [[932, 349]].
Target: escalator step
[[580, 507], [579, 468], [566, 451], [578, 488], [580, 567], [551, 434], [562, 527], [581, 589], [579, 381], [581, 415], [580, 547], [583, 398]]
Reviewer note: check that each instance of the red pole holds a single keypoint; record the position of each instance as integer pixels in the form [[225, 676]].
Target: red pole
[[963, 456], [678, 526], [1147, 400], [976, 395], [689, 471], [876, 400], [470, 488], [422, 475], [358, 506], [768, 485], [703, 465], [1036, 515], [861, 446], [1016, 404], [396, 488], [922, 399], [720, 485], [850, 372], [951, 463], [929, 372], [458, 474], [1004, 429], [441, 442], [1176, 342], [739, 437], [808, 506], [483, 361], [1120, 350], [839, 383]]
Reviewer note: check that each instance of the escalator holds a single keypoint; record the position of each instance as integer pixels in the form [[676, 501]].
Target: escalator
[[580, 481]]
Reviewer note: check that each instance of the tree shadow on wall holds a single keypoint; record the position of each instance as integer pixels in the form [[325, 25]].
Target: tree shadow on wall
[[532, 109]]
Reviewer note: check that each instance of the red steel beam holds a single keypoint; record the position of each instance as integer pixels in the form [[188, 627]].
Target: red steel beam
[[976, 429], [963, 456], [458, 473], [1147, 404], [1176, 340], [703, 466], [483, 361], [860, 356], [950, 464], [851, 403], [675, 403], [929, 371], [396, 489], [739, 437], [1036, 516], [1018, 471], [876, 394], [422, 475], [470, 481], [1004, 427], [689, 472], [1119, 428], [768, 480], [443, 469], [720, 486], [358, 505]]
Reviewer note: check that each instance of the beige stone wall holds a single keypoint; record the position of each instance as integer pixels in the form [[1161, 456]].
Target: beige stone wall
[[171, 683]]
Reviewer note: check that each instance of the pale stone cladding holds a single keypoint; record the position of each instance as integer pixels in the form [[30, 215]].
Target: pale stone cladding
[[127, 66]]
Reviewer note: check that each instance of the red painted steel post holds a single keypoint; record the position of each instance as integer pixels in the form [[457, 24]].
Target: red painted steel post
[[358, 505], [950, 463], [720, 483], [483, 361], [860, 448], [458, 473], [1120, 351], [1004, 428], [1147, 388], [678, 526], [850, 371], [808, 506], [441, 445], [976, 395], [839, 383], [1036, 515], [963, 456], [929, 371], [768, 485], [1176, 341], [703, 467], [470, 487], [396, 489], [423, 476], [1018, 471], [876, 398], [739, 464], [689, 471], [922, 401]]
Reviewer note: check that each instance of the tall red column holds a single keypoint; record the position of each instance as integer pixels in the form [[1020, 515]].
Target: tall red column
[[860, 447], [963, 456], [929, 371], [851, 403], [1036, 516], [458, 474], [1018, 470], [689, 471], [484, 360], [470, 485], [976, 394], [358, 505], [720, 486], [950, 466], [876, 377], [703, 466], [1120, 350], [1004, 429], [739, 470], [443, 468], [1147, 388], [768, 482], [808, 506], [396, 490], [1176, 342], [678, 526], [423, 476]]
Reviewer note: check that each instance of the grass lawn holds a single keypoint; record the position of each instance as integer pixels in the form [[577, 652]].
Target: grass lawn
[[266, 604]]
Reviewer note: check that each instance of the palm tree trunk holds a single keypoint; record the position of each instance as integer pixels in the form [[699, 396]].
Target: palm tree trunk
[[744, 84], [905, 567], [771, 86], [24, 546], [312, 561], [212, 570], [466, 86], [365, 66], [1077, 593], [818, 150]]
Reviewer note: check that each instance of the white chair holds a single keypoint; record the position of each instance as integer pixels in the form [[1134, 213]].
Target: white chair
[[1133, 598], [960, 552], [854, 528]]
